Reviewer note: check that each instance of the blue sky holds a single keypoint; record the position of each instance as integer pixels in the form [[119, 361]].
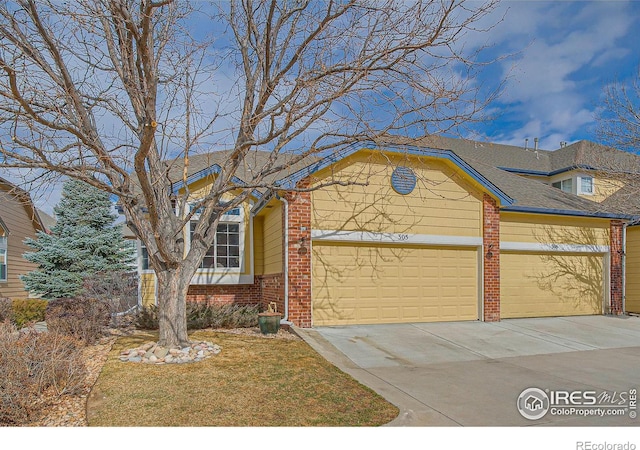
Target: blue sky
[[564, 54]]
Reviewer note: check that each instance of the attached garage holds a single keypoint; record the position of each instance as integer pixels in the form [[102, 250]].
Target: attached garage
[[381, 283], [632, 264], [539, 284]]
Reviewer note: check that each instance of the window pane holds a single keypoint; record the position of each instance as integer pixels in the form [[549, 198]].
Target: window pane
[[3, 265], [567, 185], [586, 185], [208, 262], [144, 254], [225, 252]]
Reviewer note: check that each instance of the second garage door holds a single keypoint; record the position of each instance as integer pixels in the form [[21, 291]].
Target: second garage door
[[368, 284], [550, 284]]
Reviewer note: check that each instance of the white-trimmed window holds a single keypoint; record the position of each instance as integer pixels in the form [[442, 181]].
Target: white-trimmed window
[[586, 185], [226, 252], [144, 257], [564, 185], [3, 255]]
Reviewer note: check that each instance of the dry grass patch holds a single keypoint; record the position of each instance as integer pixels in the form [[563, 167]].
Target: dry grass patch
[[253, 382]]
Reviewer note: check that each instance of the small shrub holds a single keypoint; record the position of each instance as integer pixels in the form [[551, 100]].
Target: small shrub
[[31, 364], [147, 318], [6, 310], [119, 290], [27, 310], [84, 319], [235, 316], [203, 315], [199, 316]]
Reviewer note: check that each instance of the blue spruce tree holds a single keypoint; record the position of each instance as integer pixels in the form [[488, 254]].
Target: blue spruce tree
[[83, 242]]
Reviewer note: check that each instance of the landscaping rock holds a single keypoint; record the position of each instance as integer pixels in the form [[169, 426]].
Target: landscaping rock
[[161, 352], [151, 353]]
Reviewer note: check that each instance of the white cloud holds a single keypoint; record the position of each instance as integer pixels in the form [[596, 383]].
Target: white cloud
[[566, 49]]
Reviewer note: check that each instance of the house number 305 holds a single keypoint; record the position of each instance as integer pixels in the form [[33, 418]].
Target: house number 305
[[403, 237]]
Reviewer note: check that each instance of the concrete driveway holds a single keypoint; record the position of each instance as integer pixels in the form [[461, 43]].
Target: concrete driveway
[[472, 373]]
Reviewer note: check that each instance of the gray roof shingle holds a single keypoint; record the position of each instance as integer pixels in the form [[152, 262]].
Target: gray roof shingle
[[488, 159]]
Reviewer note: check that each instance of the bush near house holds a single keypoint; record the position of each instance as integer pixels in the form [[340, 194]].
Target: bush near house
[[6, 309], [119, 291], [33, 364], [22, 311], [28, 310], [204, 315], [82, 318]]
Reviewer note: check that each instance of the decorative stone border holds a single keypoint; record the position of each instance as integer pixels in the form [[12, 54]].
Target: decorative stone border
[[152, 353]]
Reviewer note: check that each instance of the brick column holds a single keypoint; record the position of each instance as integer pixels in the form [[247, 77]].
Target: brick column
[[491, 248], [299, 258], [615, 279]]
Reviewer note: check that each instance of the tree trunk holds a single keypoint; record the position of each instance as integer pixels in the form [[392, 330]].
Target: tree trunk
[[172, 297]]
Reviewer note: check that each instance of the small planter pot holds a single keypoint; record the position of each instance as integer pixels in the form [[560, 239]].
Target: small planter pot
[[269, 322]]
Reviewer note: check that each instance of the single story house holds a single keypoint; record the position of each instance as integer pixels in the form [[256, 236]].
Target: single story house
[[19, 219], [423, 230]]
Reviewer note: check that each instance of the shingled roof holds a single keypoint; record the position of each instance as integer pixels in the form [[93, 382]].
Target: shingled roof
[[252, 164], [495, 162]]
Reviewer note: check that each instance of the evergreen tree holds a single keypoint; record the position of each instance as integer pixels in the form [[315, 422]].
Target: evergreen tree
[[83, 242]]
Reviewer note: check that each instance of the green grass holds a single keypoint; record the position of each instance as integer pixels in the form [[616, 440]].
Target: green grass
[[252, 382]]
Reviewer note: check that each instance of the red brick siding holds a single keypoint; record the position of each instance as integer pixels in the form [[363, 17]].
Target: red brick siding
[[615, 246], [491, 248], [299, 257], [240, 294], [272, 287]]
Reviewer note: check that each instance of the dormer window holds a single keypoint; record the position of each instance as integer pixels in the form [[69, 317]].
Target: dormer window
[[586, 185], [564, 185]]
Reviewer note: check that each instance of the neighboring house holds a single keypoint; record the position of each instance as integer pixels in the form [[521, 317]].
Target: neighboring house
[[434, 229], [19, 220]]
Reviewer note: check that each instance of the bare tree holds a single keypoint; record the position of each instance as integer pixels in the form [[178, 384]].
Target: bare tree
[[619, 121], [121, 93], [618, 129]]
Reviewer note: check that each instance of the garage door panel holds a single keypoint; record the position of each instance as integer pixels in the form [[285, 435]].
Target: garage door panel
[[377, 284], [547, 284]]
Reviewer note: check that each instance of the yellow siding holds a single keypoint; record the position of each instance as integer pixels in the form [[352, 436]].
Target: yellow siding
[[365, 284], [258, 245], [200, 188], [542, 228], [20, 224], [632, 275], [148, 289], [272, 240], [603, 187], [443, 202], [545, 285]]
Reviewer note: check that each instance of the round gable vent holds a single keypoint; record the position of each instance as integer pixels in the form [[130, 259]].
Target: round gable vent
[[403, 180]]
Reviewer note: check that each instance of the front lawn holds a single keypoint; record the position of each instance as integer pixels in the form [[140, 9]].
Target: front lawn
[[252, 382]]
